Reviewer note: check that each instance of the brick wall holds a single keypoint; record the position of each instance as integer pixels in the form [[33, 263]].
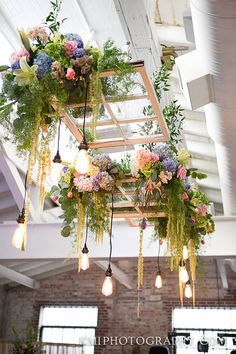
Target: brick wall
[[117, 314], [2, 298]]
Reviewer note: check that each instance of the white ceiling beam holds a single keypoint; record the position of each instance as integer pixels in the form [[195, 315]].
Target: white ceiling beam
[[199, 148], [205, 165], [137, 22], [117, 273], [212, 181], [223, 274], [15, 183], [45, 243], [18, 277]]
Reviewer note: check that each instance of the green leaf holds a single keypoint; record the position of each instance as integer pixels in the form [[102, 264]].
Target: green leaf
[[4, 67], [65, 232], [24, 39]]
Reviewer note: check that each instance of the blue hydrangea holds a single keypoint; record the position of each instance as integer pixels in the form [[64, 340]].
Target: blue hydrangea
[[72, 37], [15, 65], [44, 63], [79, 52], [170, 165], [80, 43], [164, 152]]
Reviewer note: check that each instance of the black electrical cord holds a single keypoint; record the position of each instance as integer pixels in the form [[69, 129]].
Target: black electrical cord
[[85, 108], [158, 257], [112, 214], [57, 157]]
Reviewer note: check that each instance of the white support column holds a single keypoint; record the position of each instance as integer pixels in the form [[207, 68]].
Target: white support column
[[117, 273], [15, 183], [18, 277]]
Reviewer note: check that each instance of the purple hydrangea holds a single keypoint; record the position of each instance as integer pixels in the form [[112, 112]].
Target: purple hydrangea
[[80, 43], [78, 52], [98, 176], [164, 152], [72, 37], [96, 185], [102, 161], [15, 65], [44, 63], [187, 186], [170, 165], [143, 224]]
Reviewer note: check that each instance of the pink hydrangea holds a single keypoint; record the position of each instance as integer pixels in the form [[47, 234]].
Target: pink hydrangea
[[144, 156], [202, 209], [165, 176], [23, 53], [38, 33], [70, 47], [182, 172], [70, 74]]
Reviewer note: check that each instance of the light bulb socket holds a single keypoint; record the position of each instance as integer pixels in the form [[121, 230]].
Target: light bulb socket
[[83, 145], [188, 283], [159, 272], [108, 271], [21, 217], [85, 249], [57, 158], [182, 263]]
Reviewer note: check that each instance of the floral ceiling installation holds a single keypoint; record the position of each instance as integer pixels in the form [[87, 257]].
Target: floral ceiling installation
[[52, 69]]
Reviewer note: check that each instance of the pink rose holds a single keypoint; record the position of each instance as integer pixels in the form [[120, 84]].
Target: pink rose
[[154, 157], [184, 196], [23, 53], [202, 209], [13, 58], [70, 74], [182, 172], [69, 195], [70, 47]]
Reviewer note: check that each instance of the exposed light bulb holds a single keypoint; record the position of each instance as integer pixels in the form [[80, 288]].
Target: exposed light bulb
[[185, 252], [107, 287], [82, 161], [188, 290], [85, 258], [183, 274], [18, 237], [56, 172], [158, 281]]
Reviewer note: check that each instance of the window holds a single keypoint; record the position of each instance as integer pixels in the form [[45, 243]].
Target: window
[[69, 325], [214, 325]]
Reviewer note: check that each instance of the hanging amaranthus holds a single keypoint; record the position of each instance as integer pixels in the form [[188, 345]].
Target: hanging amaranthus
[[81, 216], [193, 265]]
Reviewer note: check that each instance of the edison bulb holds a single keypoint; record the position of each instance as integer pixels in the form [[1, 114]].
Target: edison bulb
[[56, 172], [158, 281], [85, 261], [183, 274], [18, 237], [82, 161], [107, 287], [188, 291], [185, 252]]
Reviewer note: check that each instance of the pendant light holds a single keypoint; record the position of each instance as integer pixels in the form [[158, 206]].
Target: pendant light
[[184, 277], [85, 251], [188, 290], [19, 239], [82, 160], [56, 170], [107, 287], [158, 281]]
